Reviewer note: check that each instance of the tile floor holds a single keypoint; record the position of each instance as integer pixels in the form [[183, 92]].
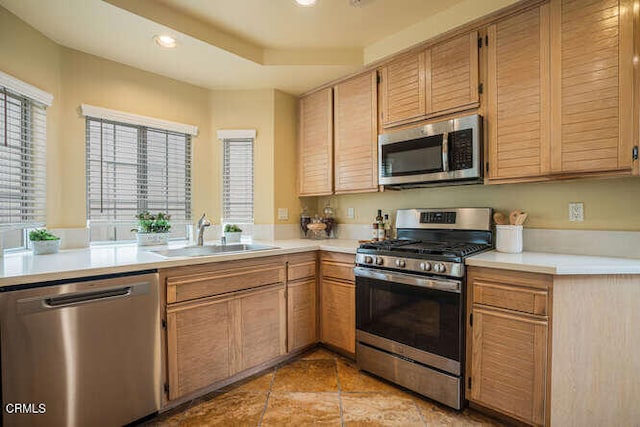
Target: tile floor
[[319, 388]]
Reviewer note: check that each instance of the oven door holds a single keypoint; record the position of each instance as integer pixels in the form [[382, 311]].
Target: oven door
[[417, 317]]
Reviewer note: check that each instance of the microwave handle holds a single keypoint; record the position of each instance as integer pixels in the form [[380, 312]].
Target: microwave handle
[[445, 152]]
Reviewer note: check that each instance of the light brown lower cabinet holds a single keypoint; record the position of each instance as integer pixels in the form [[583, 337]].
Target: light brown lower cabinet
[[302, 300], [213, 339], [198, 341], [260, 327], [508, 339], [222, 319], [509, 370], [338, 301], [554, 350], [302, 313]]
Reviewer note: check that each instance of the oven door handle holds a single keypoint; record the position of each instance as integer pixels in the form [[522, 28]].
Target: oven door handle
[[409, 279]]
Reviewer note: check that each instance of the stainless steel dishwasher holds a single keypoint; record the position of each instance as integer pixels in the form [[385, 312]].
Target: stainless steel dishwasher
[[81, 353]]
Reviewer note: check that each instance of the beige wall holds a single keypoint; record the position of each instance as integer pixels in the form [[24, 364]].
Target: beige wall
[[28, 55], [609, 204], [285, 170], [87, 79], [248, 109]]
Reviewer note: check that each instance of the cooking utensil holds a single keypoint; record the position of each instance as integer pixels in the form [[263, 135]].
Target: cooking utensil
[[500, 218], [513, 216], [521, 218]]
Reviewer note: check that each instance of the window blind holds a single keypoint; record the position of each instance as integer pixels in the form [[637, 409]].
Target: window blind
[[23, 123], [131, 169], [237, 181]]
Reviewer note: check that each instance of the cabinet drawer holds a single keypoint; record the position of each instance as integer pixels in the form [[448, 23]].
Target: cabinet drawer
[[512, 298], [200, 285], [338, 266], [338, 271], [302, 270]]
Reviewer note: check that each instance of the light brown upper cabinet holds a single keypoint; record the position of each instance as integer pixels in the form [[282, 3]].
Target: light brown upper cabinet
[[452, 75], [439, 80], [356, 134], [403, 90], [315, 144], [559, 91], [591, 85], [517, 109]]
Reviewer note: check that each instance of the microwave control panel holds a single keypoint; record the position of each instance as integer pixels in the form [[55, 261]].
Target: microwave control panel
[[461, 149]]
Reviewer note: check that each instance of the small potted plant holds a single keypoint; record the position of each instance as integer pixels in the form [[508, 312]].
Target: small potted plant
[[152, 229], [44, 242], [232, 233]]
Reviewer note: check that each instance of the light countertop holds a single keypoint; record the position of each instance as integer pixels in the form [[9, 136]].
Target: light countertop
[[559, 264], [24, 267]]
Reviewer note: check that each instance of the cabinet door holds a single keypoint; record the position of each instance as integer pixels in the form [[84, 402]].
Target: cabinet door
[[315, 144], [259, 327], [403, 90], [518, 95], [339, 314], [452, 75], [509, 362], [592, 80], [356, 135], [197, 345], [302, 314]]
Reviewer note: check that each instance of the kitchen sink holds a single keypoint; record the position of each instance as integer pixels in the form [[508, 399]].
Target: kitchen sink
[[212, 250]]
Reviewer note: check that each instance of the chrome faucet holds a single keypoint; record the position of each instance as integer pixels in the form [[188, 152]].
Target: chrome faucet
[[202, 223]]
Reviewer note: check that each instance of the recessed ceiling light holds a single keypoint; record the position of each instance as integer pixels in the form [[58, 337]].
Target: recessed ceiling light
[[165, 41], [306, 2]]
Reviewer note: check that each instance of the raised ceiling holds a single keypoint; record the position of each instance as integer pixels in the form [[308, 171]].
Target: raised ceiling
[[281, 24], [235, 44]]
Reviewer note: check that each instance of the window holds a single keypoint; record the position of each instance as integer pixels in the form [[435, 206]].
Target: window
[[237, 176], [23, 124], [132, 168]]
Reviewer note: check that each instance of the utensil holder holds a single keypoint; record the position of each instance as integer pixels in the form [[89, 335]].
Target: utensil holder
[[509, 238]]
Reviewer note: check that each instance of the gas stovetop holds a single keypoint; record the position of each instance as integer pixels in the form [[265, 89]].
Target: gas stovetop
[[408, 247], [431, 241]]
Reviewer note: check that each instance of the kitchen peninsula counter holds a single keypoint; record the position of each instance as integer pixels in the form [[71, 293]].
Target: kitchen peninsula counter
[[555, 264], [24, 267]]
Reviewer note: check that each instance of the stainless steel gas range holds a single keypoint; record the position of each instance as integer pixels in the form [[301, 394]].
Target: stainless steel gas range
[[410, 300]]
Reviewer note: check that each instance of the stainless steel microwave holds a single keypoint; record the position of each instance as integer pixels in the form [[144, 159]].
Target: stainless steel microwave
[[442, 152]]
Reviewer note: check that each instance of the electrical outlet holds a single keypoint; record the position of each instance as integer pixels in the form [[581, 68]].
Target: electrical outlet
[[351, 213], [576, 211], [283, 214]]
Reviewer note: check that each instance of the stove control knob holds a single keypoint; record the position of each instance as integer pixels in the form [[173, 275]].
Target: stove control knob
[[400, 263], [368, 259], [439, 268], [379, 260], [425, 266]]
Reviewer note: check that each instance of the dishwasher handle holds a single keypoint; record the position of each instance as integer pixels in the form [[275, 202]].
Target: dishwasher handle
[[72, 299], [79, 297]]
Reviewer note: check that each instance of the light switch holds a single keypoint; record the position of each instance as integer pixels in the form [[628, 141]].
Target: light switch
[[351, 213], [283, 214]]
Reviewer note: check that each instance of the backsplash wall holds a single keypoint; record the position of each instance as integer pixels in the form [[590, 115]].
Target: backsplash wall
[[609, 204]]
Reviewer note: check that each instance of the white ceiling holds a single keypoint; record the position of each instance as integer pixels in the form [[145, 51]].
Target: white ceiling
[[281, 24], [228, 44]]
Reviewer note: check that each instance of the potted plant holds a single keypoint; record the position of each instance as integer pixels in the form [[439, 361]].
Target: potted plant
[[152, 229], [232, 233], [44, 242]]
